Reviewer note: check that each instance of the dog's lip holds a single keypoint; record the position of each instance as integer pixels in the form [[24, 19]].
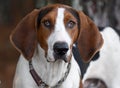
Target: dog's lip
[[54, 60], [50, 60], [62, 58]]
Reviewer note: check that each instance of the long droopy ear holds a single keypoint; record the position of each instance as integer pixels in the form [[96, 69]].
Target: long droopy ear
[[24, 37], [90, 39]]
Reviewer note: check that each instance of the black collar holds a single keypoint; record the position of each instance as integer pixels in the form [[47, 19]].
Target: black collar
[[42, 84]]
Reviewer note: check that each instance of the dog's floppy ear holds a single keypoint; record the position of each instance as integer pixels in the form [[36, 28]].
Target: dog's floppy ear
[[90, 39], [24, 37]]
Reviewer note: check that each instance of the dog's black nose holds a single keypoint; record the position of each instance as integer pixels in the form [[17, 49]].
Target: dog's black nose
[[60, 48]]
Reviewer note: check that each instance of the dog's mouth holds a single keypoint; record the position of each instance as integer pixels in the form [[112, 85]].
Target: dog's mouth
[[60, 57], [57, 57]]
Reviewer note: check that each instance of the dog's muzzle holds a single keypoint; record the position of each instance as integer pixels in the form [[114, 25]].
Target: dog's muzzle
[[60, 50]]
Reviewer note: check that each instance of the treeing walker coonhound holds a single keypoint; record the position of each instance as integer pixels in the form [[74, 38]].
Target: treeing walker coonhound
[[45, 38], [104, 70]]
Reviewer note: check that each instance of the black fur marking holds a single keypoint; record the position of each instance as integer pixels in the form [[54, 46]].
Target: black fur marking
[[83, 66], [101, 28], [96, 56], [42, 13]]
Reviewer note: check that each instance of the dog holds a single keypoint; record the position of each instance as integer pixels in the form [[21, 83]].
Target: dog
[[45, 38], [104, 70]]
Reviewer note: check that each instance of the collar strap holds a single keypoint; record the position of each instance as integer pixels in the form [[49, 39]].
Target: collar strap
[[39, 81]]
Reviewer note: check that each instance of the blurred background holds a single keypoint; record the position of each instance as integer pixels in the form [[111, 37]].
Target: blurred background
[[102, 12]]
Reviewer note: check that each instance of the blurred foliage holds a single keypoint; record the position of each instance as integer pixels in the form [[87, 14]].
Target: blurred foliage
[[41, 3], [13, 10], [101, 11]]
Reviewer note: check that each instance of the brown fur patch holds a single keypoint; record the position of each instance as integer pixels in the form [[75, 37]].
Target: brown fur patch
[[23, 37], [81, 85], [90, 39], [44, 32], [73, 32]]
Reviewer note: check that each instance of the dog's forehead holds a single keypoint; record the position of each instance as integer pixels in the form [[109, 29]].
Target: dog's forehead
[[54, 8], [46, 10]]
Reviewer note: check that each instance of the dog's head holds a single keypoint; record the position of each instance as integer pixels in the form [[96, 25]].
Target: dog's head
[[56, 28]]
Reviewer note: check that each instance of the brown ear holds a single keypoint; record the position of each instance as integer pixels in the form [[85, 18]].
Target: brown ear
[[24, 36], [90, 39]]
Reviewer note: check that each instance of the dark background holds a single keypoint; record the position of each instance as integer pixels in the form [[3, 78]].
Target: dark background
[[103, 12]]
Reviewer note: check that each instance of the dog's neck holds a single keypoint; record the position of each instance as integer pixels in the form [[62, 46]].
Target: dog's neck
[[50, 72]]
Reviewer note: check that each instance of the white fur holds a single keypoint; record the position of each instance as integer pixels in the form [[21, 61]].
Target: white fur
[[59, 35], [50, 72], [107, 67]]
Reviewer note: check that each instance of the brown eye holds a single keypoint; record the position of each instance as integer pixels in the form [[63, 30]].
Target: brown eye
[[47, 23], [70, 24]]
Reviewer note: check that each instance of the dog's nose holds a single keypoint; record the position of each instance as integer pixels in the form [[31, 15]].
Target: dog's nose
[[60, 48], [94, 83]]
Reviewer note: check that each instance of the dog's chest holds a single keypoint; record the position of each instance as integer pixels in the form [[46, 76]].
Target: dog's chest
[[53, 73]]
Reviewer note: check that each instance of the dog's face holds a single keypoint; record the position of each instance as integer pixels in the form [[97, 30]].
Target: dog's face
[[56, 28], [57, 31]]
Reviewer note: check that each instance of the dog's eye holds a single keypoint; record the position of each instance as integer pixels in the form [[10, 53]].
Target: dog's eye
[[47, 23], [70, 24]]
